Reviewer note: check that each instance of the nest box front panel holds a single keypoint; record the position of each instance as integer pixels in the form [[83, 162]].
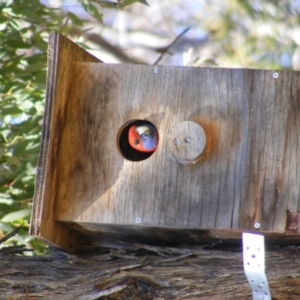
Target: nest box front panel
[[226, 155]]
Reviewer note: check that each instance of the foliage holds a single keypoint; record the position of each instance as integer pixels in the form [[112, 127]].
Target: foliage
[[257, 34], [24, 29], [22, 90], [241, 33]]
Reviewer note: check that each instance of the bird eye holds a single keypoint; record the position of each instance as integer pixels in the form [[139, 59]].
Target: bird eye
[[136, 142]]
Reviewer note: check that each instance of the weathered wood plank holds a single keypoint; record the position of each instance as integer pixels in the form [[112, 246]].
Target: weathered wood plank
[[144, 272], [62, 53], [246, 174], [245, 114]]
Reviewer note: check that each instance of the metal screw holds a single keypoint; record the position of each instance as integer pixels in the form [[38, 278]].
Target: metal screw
[[256, 225], [155, 70], [138, 220], [275, 75], [176, 141], [187, 140]]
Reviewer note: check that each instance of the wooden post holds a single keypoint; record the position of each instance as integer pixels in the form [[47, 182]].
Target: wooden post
[[144, 272]]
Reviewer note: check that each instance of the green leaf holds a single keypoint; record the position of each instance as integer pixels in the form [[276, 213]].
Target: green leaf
[[17, 43], [75, 20], [33, 150], [35, 67], [5, 199], [10, 109], [93, 11], [13, 160], [129, 2], [28, 125], [108, 4], [28, 180], [40, 79], [17, 215], [19, 146]]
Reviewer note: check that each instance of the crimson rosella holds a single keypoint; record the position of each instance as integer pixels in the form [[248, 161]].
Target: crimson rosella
[[143, 138]]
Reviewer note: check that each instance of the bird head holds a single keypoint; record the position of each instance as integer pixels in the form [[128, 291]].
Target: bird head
[[143, 138]]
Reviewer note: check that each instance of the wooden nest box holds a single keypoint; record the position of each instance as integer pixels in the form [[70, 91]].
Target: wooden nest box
[[227, 160]]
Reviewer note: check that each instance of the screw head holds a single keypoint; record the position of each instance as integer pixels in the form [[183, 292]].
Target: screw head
[[275, 75], [176, 141], [256, 225], [155, 70], [187, 140], [138, 220]]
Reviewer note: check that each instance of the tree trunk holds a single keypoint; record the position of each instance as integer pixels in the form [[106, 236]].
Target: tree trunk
[[143, 272]]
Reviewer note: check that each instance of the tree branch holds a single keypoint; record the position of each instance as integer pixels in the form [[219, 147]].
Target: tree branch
[[104, 44], [168, 47]]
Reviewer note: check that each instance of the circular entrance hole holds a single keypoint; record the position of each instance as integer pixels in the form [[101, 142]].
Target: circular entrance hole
[[123, 142]]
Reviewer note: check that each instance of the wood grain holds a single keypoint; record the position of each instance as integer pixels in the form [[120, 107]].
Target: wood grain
[[246, 174], [186, 142], [236, 183], [62, 53], [145, 272]]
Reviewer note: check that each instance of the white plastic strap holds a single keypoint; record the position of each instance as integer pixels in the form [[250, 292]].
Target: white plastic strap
[[254, 265]]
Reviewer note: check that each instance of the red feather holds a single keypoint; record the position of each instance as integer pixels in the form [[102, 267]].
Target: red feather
[[137, 142]]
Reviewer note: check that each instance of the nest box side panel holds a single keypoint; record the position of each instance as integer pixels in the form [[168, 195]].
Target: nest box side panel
[[62, 54], [246, 174], [271, 145]]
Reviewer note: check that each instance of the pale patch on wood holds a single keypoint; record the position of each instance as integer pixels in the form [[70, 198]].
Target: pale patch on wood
[[186, 142]]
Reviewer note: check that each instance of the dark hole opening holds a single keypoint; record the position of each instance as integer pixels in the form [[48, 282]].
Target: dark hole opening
[[126, 150]]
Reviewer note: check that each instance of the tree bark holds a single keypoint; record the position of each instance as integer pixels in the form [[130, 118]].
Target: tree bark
[[143, 272]]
